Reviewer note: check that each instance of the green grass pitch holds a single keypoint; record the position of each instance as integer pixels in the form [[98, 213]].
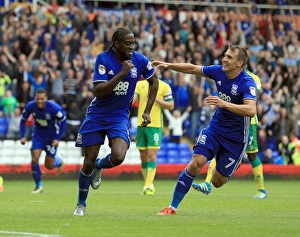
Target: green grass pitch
[[117, 208]]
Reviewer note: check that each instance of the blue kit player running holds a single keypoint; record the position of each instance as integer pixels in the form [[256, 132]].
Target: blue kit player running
[[226, 137], [49, 126], [116, 73]]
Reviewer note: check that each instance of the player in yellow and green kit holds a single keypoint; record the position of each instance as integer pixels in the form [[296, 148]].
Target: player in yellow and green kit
[[148, 139], [251, 151]]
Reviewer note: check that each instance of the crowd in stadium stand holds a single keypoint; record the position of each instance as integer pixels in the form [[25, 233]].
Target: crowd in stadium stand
[[56, 50]]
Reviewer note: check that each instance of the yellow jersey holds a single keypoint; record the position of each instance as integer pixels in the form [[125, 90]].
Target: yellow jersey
[[164, 92], [256, 78]]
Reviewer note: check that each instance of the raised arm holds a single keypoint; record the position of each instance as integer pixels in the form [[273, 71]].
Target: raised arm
[[103, 89]]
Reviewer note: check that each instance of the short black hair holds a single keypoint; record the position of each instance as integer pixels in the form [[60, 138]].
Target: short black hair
[[119, 34], [41, 91]]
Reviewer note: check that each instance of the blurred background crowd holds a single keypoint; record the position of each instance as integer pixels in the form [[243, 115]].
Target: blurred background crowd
[[55, 48]]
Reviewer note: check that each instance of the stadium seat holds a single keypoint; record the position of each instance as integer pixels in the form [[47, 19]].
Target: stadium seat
[[185, 153], [272, 143], [279, 160], [165, 139], [173, 156], [275, 154], [162, 160], [162, 153], [172, 146], [183, 147]]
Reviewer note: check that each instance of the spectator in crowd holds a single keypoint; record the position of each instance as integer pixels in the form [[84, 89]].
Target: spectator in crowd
[[4, 123], [284, 124], [73, 121], [14, 124], [176, 120], [195, 90], [206, 113], [5, 82], [181, 93], [8, 103], [289, 151], [6, 67], [84, 98], [70, 84], [267, 157], [57, 86], [24, 96]]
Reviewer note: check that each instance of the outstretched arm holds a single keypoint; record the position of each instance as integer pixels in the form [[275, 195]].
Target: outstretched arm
[[180, 67]]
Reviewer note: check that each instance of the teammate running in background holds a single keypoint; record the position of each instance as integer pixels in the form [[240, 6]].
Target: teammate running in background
[[49, 126], [116, 73], [251, 151], [226, 136], [148, 139]]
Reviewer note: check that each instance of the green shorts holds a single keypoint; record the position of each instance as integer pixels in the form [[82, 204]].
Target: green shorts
[[253, 146], [148, 137]]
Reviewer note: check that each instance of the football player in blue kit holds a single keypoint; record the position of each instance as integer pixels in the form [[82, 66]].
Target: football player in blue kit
[[116, 73], [49, 127], [226, 137]]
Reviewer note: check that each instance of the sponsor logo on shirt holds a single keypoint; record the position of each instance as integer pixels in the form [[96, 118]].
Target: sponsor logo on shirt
[[121, 88]]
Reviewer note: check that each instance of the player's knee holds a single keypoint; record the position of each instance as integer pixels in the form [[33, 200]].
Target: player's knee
[[117, 160], [196, 164], [49, 166], [217, 183]]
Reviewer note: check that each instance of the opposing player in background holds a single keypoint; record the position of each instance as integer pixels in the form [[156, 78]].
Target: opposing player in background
[[49, 127], [148, 139], [1, 184], [226, 136], [116, 73], [251, 151]]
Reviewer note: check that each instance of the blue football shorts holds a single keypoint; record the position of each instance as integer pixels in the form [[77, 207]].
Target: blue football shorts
[[42, 142], [228, 153], [94, 132]]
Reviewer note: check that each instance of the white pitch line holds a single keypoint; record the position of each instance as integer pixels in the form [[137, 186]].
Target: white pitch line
[[27, 234]]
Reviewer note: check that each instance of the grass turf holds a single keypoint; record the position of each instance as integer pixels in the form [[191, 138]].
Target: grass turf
[[117, 208]]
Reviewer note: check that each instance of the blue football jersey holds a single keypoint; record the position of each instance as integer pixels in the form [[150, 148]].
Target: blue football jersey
[[235, 91], [116, 106], [46, 121]]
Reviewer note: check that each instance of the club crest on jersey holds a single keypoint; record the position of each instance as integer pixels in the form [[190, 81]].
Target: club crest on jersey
[[48, 116], [133, 72], [59, 114], [234, 89], [252, 90], [149, 66], [79, 139], [202, 139], [101, 69]]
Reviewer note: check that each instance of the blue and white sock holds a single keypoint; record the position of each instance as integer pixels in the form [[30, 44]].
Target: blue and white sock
[[183, 185]]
